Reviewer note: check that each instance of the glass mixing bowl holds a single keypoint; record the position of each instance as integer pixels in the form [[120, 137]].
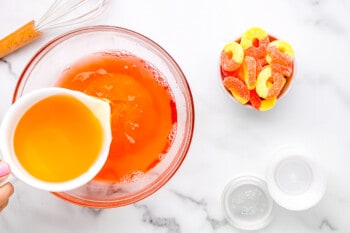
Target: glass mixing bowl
[[44, 69]]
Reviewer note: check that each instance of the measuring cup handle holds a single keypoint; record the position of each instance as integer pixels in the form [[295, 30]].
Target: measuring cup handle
[[7, 179]]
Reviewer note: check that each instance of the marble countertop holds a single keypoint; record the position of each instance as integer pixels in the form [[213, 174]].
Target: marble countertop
[[229, 139]]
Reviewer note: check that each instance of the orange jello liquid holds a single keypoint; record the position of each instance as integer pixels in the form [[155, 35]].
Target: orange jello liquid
[[58, 139], [143, 111]]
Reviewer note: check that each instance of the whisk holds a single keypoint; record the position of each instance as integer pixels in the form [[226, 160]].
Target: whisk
[[61, 13]]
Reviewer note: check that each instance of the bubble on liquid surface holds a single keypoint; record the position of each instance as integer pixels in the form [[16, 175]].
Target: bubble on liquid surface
[[157, 75], [248, 203], [116, 53], [172, 133], [132, 177]]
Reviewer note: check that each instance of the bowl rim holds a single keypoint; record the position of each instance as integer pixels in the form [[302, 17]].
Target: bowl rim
[[170, 171]]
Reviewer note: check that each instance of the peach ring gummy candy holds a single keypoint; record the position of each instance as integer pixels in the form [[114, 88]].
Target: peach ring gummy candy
[[261, 104], [237, 88], [285, 70], [260, 64], [231, 56], [269, 84], [280, 51], [267, 104], [254, 42], [249, 72], [255, 99]]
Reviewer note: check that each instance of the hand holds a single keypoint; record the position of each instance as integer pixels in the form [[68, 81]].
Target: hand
[[7, 189]]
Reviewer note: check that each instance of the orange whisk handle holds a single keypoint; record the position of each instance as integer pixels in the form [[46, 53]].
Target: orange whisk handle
[[17, 39]]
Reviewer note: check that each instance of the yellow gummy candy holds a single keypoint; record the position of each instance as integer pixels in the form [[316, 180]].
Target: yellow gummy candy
[[267, 104], [235, 50], [252, 34]]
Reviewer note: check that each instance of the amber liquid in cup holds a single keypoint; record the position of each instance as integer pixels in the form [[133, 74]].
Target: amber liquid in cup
[[143, 112], [50, 144]]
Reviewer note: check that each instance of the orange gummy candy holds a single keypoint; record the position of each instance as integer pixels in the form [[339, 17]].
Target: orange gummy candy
[[258, 49], [249, 72], [260, 64], [269, 84], [255, 100], [261, 104], [225, 73], [237, 88], [231, 56], [254, 42], [285, 70], [277, 56], [277, 85]]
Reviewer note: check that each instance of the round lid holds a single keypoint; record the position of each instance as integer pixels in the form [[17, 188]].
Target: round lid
[[294, 181], [247, 203]]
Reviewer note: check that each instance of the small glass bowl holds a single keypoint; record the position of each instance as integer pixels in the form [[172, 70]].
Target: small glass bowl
[[45, 68], [247, 203]]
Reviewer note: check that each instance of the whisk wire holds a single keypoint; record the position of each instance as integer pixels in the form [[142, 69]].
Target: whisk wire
[[49, 11], [63, 13], [56, 12]]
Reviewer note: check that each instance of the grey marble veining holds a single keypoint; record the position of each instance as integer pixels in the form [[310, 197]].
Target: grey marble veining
[[325, 225], [8, 67], [202, 205]]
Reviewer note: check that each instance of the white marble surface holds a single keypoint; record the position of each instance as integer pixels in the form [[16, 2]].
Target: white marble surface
[[229, 139]]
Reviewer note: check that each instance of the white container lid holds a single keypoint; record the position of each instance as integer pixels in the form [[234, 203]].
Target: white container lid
[[294, 181]]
